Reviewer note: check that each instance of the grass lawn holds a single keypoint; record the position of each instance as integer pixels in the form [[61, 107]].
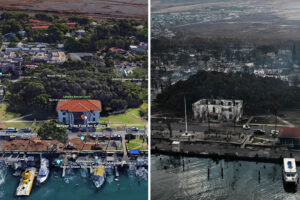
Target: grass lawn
[[143, 148], [136, 111], [131, 118], [4, 116], [137, 143], [257, 140], [7, 115], [132, 145], [120, 148], [137, 140], [121, 119], [18, 125]]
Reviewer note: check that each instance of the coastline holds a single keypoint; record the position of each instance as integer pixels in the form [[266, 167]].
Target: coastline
[[218, 151]]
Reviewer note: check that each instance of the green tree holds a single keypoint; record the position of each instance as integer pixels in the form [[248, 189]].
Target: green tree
[[50, 130]]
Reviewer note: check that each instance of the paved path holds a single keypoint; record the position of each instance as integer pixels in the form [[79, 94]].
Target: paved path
[[286, 122], [249, 120], [125, 156], [16, 119], [246, 140]]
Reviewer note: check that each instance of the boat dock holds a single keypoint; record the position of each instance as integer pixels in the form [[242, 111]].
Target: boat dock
[[29, 164]]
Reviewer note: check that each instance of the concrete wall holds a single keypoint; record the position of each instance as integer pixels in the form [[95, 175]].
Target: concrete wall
[[68, 118], [218, 109]]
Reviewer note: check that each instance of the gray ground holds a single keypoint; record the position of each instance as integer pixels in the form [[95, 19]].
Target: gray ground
[[261, 19]]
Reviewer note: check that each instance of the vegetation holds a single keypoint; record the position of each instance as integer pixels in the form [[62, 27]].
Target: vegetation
[[112, 33], [14, 15], [44, 17], [260, 95], [81, 78], [139, 73], [137, 143], [4, 115], [32, 95], [50, 130]]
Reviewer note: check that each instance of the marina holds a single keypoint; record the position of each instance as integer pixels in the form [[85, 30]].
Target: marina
[[100, 168], [206, 178]]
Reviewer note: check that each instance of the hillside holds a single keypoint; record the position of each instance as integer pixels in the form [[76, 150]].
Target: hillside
[[260, 95]]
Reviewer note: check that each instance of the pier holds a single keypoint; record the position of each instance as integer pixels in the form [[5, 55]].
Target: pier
[[30, 162], [225, 150]]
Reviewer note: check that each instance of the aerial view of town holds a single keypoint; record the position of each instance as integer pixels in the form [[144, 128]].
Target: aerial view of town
[[73, 100], [225, 93]]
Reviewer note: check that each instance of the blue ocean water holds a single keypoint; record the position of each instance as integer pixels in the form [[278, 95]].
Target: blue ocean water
[[77, 188]]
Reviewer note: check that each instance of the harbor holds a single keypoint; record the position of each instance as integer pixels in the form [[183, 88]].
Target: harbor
[[100, 169], [206, 178]]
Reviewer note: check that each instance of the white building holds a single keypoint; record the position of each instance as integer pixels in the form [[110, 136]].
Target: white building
[[78, 111], [217, 110]]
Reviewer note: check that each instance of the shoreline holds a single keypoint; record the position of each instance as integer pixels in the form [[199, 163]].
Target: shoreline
[[217, 151]]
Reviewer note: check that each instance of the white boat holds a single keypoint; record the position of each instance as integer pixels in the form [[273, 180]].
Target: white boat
[[289, 172], [44, 171]]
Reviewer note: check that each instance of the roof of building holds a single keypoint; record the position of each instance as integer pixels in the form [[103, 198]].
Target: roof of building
[[289, 132], [40, 27], [70, 23], [79, 105]]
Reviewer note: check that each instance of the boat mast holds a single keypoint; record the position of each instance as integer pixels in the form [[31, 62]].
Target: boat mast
[[185, 115]]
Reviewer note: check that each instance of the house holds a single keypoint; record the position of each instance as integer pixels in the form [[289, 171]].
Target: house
[[93, 23], [80, 32], [140, 50], [78, 111], [57, 57], [23, 33], [71, 25], [80, 56], [7, 36], [117, 50], [39, 57], [218, 110], [176, 146], [290, 137], [139, 27], [60, 46], [2, 92], [40, 27], [143, 45]]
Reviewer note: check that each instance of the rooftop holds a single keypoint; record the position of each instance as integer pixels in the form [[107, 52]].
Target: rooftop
[[289, 132], [76, 105]]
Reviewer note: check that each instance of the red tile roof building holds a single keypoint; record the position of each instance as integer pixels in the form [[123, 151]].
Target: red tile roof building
[[40, 27], [70, 111], [289, 136]]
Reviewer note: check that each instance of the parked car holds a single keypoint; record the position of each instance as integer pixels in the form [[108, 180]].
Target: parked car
[[82, 129], [108, 130], [11, 130], [274, 132], [25, 130], [74, 129], [246, 127], [258, 132], [92, 129], [134, 129]]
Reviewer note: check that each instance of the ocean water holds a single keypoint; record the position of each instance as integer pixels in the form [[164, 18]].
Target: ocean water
[[77, 188], [240, 180]]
